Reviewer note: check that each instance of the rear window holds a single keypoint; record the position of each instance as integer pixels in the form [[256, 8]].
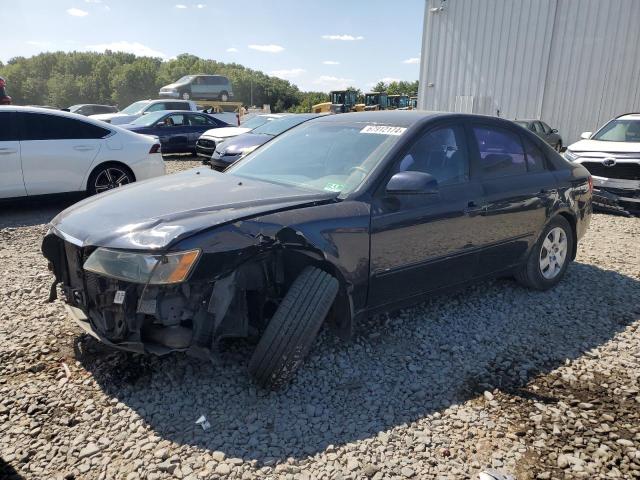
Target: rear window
[[7, 127], [177, 106], [501, 152]]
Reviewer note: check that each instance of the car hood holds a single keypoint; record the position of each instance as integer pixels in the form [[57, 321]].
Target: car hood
[[156, 213], [242, 142], [225, 132], [608, 147]]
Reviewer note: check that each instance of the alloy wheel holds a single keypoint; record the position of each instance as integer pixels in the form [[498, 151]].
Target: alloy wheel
[[110, 178], [553, 253]]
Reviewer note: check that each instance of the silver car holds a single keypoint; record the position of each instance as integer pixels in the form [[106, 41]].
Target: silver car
[[199, 87]]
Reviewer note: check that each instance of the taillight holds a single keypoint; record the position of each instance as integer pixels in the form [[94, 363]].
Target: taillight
[[155, 148]]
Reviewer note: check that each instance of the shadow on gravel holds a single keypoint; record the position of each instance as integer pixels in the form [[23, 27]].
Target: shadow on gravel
[[7, 472], [399, 368], [28, 212]]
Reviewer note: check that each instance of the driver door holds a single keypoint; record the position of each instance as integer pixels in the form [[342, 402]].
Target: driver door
[[423, 242]]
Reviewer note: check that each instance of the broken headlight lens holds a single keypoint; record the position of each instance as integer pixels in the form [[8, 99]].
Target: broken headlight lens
[[155, 269]]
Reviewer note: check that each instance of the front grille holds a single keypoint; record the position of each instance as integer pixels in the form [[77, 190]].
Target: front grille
[[622, 171], [203, 142]]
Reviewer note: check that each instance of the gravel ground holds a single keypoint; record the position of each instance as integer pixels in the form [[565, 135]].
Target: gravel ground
[[536, 385]]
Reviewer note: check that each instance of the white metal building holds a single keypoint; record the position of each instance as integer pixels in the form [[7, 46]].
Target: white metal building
[[572, 63]]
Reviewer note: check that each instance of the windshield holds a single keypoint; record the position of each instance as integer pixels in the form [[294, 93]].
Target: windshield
[[256, 121], [619, 131], [73, 108], [184, 79], [337, 98], [325, 156], [280, 125], [149, 119], [135, 107]]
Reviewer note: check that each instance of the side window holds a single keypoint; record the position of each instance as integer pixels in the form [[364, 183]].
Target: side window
[[537, 127], [176, 120], [39, 126], [199, 120], [442, 153], [546, 128], [501, 153], [8, 130], [535, 157], [156, 107], [177, 106]]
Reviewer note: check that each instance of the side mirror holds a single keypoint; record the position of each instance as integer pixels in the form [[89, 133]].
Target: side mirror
[[554, 130], [411, 182], [586, 135]]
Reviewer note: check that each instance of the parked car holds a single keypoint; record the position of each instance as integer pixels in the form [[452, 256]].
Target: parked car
[[206, 144], [231, 150], [201, 87], [51, 151], [544, 131], [143, 107], [88, 109], [612, 155], [177, 130], [338, 218]]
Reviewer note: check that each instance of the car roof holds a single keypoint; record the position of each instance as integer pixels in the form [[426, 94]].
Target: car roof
[[629, 116], [61, 113], [406, 118]]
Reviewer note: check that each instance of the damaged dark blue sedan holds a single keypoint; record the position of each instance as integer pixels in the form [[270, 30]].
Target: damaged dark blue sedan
[[339, 218]]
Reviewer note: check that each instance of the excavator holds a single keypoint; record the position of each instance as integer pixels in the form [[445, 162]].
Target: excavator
[[341, 101]]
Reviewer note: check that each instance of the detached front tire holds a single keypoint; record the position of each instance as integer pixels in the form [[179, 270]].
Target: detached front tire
[[550, 256], [293, 328]]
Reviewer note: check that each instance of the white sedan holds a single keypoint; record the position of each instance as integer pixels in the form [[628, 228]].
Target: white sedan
[[44, 151]]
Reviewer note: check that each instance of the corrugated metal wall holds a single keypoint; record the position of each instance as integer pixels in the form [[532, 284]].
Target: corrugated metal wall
[[573, 63]]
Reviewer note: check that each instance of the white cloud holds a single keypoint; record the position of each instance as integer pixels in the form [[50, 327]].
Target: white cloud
[[412, 60], [388, 80], [37, 43], [181, 6], [76, 12], [287, 74], [232, 50], [267, 48], [346, 38], [331, 62], [329, 82], [93, 1], [129, 47], [200, 5]]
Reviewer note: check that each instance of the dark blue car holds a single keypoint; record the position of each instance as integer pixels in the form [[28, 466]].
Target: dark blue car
[[177, 130]]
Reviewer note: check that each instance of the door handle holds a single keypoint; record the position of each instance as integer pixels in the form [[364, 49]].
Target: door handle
[[84, 148]]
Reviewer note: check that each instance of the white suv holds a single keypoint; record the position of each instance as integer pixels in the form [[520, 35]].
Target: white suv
[[142, 107], [612, 155]]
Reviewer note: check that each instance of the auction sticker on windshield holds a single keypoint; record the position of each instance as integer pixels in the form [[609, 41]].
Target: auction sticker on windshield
[[383, 130]]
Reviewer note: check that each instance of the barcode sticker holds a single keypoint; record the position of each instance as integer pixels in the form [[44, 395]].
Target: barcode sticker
[[119, 297], [383, 130]]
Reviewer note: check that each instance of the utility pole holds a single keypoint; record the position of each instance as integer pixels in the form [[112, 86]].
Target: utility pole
[[251, 83]]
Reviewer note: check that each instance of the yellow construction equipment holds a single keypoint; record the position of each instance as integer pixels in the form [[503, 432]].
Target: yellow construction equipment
[[341, 101], [375, 101]]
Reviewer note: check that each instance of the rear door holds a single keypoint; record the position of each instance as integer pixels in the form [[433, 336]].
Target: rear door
[[11, 181], [57, 152], [519, 190], [198, 124]]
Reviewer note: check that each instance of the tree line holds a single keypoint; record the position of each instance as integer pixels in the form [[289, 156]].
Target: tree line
[[61, 79]]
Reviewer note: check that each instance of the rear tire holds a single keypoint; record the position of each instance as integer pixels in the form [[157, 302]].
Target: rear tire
[[224, 96], [293, 328], [109, 176], [549, 257], [186, 96], [558, 147]]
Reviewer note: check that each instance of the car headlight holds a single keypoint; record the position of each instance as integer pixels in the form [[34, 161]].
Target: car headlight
[[570, 156], [155, 269]]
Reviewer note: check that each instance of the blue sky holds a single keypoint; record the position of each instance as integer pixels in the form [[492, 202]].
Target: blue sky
[[317, 45]]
